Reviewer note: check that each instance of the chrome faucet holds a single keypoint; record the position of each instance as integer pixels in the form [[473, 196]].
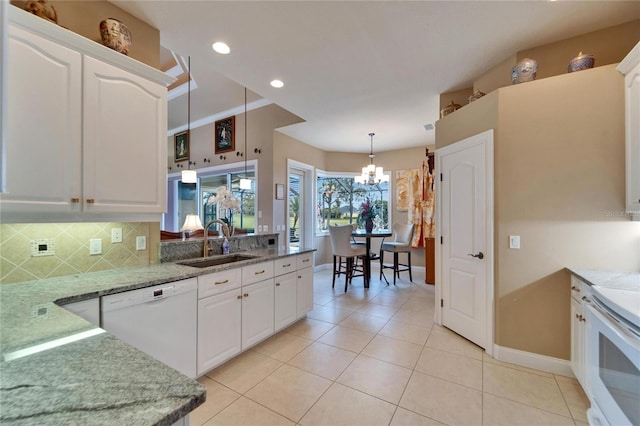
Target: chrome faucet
[[225, 231]]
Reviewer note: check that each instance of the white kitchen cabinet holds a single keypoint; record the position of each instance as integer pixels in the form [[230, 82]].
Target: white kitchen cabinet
[[219, 329], [257, 312], [285, 300], [304, 296], [630, 67], [87, 309], [44, 125], [86, 128], [580, 294]]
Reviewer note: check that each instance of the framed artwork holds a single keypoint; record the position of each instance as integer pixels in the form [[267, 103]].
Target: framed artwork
[[181, 146], [403, 187], [225, 135], [279, 191]]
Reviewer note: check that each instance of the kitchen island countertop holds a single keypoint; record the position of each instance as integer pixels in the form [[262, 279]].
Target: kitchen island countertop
[[91, 377]]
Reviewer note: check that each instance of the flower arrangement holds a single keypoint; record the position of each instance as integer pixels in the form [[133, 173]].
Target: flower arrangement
[[367, 210], [226, 201]]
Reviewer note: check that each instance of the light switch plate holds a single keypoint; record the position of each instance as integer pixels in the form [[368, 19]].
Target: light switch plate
[[95, 246], [514, 241], [141, 242]]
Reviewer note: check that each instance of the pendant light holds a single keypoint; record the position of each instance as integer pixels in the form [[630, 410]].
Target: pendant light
[[245, 183], [189, 176], [371, 174]]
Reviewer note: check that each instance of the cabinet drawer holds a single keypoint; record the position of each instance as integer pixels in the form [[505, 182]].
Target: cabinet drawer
[[258, 272], [218, 282], [284, 265], [304, 260]]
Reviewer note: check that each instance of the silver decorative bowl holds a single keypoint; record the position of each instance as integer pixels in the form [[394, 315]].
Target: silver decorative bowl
[[524, 71], [582, 62]]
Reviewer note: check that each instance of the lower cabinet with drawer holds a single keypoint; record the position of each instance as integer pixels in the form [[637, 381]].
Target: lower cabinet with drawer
[[580, 294], [238, 308]]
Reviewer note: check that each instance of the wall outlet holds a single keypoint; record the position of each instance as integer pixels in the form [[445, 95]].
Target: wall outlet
[[116, 235], [141, 242], [95, 246], [259, 228], [265, 228], [514, 241]]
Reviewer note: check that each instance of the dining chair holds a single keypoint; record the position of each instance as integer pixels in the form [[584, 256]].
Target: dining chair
[[342, 248], [402, 235]]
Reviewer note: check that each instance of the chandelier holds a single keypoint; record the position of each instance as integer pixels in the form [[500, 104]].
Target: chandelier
[[371, 174]]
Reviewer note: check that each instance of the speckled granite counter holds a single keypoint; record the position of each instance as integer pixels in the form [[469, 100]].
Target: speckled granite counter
[[98, 380], [621, 280]]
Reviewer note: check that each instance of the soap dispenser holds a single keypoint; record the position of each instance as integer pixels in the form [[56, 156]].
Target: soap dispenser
[[225, 246]]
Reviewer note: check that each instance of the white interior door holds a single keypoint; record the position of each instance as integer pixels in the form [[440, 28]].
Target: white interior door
[[466, 227]]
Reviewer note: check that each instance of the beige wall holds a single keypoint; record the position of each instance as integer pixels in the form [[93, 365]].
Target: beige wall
[[559, 184], [609, 46], [83, 17], [72, 249]]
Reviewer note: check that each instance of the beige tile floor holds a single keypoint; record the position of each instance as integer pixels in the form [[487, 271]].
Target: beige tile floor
[[374, 357]]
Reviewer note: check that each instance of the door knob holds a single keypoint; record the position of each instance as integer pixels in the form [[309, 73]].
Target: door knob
[[479, 255]]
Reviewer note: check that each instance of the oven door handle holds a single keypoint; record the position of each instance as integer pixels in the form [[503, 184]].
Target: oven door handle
[[628, 336]]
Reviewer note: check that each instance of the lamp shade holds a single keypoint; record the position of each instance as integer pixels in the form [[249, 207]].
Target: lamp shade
[[189, 176], [191, 223]]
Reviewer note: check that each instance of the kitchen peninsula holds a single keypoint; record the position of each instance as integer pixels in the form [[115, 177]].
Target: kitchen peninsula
[[89, 376]]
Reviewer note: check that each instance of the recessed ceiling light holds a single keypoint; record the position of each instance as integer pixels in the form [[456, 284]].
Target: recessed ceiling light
[[277, 83], [221, 47]]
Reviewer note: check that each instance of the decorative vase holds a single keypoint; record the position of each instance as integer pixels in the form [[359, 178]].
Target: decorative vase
[[524, 71], [582, 62], [449, 109], [43, 9], [115, 35], [476, 95], [368, 225]]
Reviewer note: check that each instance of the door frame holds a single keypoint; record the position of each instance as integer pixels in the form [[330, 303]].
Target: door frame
[[487, 142], [308, 229]]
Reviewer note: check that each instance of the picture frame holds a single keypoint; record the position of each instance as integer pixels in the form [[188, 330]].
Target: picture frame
[[279, 191], [181, 146], [225, 135]]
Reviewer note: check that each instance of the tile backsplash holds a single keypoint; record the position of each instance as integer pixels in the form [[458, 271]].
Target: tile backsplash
[[71, 243]]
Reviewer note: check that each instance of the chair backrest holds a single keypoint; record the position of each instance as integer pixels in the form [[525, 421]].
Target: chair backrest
[[403, 232], [341, 240]]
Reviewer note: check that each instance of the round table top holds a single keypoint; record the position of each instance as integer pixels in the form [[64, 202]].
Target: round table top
[[376, 233]]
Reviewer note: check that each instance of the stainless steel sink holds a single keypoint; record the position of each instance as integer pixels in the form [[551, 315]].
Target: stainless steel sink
[[217, 260]]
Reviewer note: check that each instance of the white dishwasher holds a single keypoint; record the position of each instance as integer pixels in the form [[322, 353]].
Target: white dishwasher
[[160, 321]]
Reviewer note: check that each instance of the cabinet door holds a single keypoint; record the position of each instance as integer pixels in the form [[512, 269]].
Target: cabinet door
[[285, 300], [304, 292], [124, 141], [219, 329], [87, 309], [43, 140], [632, 113], [257, 312], [577, 341]]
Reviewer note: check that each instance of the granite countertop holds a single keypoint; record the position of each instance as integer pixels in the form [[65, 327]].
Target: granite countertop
[[611, 279], [97, 379]]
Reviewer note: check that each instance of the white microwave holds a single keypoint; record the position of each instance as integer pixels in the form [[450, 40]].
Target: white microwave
[[613, 358]]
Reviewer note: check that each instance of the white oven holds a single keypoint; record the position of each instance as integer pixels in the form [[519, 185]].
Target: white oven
[[613, 358]]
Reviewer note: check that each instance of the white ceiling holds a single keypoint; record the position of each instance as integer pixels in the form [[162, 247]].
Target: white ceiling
[[355, 67]]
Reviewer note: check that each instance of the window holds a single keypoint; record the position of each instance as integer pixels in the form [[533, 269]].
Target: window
[[193, 198], [339, 197]]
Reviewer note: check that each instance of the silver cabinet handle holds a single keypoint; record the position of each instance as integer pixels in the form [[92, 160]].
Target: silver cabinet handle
[[221, 282], [258, 273]]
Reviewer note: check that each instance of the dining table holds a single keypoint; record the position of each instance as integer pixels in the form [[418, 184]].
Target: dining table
[[361, 233]]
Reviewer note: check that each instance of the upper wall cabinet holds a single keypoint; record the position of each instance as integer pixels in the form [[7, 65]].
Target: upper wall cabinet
[[86, 129], [630, 67]]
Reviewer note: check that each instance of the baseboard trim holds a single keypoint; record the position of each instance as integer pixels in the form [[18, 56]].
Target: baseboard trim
[[529, 359]]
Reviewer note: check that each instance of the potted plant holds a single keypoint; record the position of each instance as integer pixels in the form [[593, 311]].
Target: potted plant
[[367, 213]]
